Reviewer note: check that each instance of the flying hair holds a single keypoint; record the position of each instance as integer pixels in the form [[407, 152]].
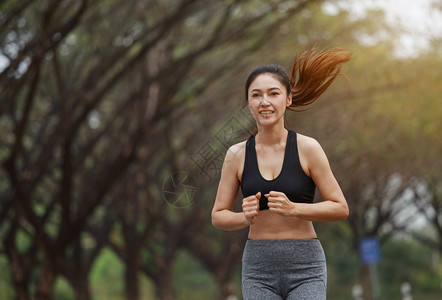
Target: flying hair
[[313, 73]]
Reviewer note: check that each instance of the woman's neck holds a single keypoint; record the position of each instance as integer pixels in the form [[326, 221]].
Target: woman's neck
[[270, 136]]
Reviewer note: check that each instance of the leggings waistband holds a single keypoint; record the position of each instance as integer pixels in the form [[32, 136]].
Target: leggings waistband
[[296, 251]]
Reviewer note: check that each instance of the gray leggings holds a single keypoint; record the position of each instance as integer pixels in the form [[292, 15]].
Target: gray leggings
[[284, 269]]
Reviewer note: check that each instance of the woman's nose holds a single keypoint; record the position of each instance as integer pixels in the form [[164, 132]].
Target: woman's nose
[[265, 100]]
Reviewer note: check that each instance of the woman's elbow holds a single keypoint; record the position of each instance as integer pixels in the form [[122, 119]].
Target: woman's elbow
[[345, 212], [215, 219]]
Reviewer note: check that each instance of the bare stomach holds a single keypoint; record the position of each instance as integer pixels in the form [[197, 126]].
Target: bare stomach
[[271, 226]]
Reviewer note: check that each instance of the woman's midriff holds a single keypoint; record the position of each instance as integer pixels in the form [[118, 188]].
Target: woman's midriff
[[271, 226]]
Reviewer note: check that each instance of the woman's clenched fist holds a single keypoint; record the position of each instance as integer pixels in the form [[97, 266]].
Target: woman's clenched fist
[[250, 207]]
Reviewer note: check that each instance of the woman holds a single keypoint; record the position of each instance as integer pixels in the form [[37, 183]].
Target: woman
[[278, 171]]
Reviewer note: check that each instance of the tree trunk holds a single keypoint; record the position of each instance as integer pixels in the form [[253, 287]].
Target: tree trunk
[[226, 288], [21, 290], [131, 277], [20, 278], [366, 282], [19, 271], [46, 283], [81, 288], [76, 269], [164, 287]]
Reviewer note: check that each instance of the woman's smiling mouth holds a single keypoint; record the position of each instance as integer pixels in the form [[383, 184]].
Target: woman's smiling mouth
[[266, 112]]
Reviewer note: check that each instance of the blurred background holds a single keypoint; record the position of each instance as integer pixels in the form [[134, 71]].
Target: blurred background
[[115, 117]]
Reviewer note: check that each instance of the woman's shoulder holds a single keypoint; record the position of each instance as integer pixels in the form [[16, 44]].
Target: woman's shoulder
[[307, 143], [236, 151], [310, 153], [234, 160]]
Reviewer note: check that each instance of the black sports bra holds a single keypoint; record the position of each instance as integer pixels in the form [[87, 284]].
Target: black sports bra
[[292, 180]]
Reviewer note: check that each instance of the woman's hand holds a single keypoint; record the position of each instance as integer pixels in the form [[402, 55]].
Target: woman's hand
[[250, 207], [280, 204]]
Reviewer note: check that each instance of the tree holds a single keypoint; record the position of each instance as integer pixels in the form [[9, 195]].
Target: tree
[[81, 103]]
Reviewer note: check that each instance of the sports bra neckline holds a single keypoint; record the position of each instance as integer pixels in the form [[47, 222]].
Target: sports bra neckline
[[284, 161]]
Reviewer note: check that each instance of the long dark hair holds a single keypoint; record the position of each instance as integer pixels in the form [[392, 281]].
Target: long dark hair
[[312, 74]]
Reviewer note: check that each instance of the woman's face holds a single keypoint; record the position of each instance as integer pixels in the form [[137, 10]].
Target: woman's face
[[267, 99]]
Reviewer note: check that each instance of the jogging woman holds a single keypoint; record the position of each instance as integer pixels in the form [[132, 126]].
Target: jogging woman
[[278, 171]]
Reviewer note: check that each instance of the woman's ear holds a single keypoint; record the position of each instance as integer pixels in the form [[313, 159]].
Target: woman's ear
[[289, 100]]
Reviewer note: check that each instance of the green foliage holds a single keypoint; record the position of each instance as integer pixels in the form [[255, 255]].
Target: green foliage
[[62, 289], [106, 277], [409, 261], [342, 261], [6, 284], [402, 260], [191, 280]]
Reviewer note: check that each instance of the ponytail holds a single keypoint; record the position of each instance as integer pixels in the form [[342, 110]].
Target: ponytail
[[313, 73]]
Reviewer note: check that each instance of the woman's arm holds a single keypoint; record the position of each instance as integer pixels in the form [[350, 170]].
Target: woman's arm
[[223, 216], [333, 208]]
